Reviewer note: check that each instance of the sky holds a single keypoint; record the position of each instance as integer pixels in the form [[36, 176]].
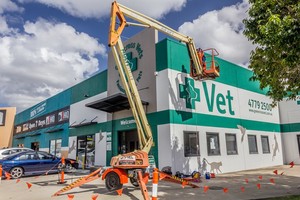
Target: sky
[[47, 46]]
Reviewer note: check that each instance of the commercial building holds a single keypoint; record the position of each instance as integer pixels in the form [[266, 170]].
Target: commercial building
[[290, 128], [219, 125], [7, 116]]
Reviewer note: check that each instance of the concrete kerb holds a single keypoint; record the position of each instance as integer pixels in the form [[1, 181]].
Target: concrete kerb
[[43, 187]]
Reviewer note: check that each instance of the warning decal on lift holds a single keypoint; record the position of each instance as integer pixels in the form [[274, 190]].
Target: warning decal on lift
[[127, 160]]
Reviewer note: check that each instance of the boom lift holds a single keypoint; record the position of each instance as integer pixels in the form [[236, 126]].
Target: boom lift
[[133, 165]]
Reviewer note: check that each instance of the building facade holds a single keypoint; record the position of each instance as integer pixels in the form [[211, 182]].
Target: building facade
[[7, 116], [290, 128], [220, 125]]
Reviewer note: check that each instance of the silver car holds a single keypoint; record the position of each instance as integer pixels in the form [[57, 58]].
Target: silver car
[[9, 151]]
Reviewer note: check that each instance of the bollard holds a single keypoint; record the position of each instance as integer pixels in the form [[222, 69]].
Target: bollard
[[62, 173], [154, 184], [0, 173]]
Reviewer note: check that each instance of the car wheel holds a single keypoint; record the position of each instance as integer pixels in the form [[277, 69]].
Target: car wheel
[[69, 166], [16, 172]]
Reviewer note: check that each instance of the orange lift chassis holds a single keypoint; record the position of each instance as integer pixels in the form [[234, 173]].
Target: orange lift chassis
[[133, 165]]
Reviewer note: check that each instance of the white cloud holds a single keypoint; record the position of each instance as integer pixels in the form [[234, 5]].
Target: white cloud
[[8, 5], [46, 59], [223, 30], [3, 26], [101, 8]]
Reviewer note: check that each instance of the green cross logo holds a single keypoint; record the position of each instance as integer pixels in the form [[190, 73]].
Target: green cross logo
[[189, 93], [133, 64], [132, 61]]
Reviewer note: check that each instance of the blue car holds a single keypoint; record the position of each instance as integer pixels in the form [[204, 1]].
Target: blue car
[[33, 163]]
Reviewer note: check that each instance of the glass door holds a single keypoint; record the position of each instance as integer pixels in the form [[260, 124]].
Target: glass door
[[86, 151]]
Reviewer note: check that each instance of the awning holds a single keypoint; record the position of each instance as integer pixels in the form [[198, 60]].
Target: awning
[[54, 130], [82, 124], [33, 134], [21, 136], [112, 103]]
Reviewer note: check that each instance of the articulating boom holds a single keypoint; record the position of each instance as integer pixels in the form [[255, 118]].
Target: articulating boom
[[198, 71], [132, 165]]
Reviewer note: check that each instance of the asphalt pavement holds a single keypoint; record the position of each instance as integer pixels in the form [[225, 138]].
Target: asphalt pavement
[[251, 184]]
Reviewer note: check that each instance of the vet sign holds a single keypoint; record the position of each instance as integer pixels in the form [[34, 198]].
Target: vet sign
[[214, 100]]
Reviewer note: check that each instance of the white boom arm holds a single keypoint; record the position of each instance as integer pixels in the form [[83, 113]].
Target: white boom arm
[[198, 69]]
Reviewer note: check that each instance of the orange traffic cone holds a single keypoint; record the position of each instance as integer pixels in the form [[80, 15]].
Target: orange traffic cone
[[120, 191], [70, 196], [243, 189], [206, 188], [7, 175], [28, 185], [0, 173], [95, 196], [258, 186]]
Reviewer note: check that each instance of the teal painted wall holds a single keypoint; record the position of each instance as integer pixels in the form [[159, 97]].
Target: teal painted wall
[[292, 127], [44, 138], [58, 101], [90, 87]]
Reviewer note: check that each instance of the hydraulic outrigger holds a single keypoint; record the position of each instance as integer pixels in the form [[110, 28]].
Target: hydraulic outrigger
[[133, 165]]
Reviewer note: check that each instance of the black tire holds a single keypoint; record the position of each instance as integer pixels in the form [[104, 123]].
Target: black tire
[[134, 182], [69, 166], [112, 181], [16, 172]]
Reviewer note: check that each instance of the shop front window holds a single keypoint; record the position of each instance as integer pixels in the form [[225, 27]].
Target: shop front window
[[55, 147], [265, 144], [213, 144], [252, 144], [231, 144], [191, 144]]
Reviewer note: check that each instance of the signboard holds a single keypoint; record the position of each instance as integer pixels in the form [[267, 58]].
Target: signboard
[[218, 99], [108, 146], [38, 110], [48, 120], [108, 136]]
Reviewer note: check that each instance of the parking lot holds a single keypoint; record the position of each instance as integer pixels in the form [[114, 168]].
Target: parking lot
[[252, 184]]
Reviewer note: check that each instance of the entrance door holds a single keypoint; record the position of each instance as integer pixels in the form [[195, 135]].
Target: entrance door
[[35, 146], [128, 141], [86, 151]]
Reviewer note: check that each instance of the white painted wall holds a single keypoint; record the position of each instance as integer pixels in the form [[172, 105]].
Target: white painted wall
[[80, 113], [171, 150], [142, 46], [289, 111], [44, 149], [100, 149], [72, 147], [289, 114], [170, 137], [291, 150]]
